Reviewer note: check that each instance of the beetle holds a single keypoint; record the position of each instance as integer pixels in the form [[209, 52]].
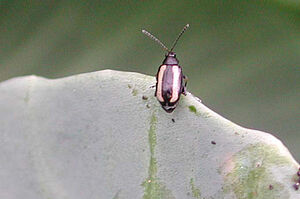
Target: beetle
[[170, 81]]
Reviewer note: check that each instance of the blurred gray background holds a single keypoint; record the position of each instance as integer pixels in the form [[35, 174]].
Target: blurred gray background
[[242, 57]]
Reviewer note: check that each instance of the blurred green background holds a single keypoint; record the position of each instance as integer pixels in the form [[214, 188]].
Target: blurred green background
[[242, 57]]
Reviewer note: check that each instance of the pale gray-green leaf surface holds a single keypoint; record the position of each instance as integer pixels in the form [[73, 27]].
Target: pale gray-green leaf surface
[[104, 135]]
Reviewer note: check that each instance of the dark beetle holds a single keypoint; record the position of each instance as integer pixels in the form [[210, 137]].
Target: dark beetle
[[170, 81]]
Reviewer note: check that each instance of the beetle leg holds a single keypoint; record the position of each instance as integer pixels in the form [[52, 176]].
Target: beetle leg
[[184, 91], [153, 86], [185, 80], [184, 83]]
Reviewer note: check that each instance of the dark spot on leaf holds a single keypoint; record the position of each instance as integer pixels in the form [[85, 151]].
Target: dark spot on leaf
[[271, 187], [173, 120], [144, 97], [213, 142], [258, 164], [129, 86]]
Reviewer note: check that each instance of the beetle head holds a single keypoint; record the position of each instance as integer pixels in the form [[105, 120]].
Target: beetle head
[[170, 59]]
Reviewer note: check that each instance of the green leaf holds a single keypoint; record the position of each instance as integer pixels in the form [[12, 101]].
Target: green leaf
[[104, 135]]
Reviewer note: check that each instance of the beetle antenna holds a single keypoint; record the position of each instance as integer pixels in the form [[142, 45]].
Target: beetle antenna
[[155, 39], [183, 30]]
